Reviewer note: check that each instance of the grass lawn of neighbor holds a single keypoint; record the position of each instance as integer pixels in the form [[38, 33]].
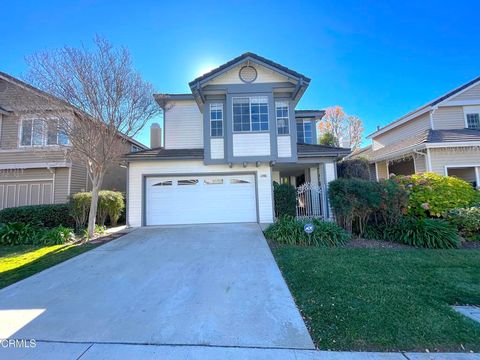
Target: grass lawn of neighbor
[[384, 299], [19, 262]]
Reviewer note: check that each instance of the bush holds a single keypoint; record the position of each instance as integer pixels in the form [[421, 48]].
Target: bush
[[355, 168], [111, 204], [393, 204], [434, 195], [285, 198], [56, 236], [418, 232], [290, 231], [353, 201], [80, 207], [25, 234], [49, 216], [467, 222]]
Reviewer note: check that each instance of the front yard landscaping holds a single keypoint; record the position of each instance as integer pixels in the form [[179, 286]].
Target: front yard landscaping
[[384, 299], [20, 262]]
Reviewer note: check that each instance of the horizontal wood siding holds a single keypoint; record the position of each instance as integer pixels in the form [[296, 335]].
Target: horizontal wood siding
[[78, 178], [453, 157], [420, 164], [264, 75], [183, 124], [60, 187], [115, 179], [251, 144], [9, 132], [284, 146], [382, 170], [471, 94], [217, 150], [451, 117]]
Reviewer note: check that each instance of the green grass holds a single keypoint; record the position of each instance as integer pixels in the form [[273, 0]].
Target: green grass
[[19, 262], [385, 300]]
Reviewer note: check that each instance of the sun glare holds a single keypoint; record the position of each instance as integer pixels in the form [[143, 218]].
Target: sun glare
[[205, 68]]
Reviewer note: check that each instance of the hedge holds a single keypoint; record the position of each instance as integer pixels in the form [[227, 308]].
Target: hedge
[[355, 168], [111, 204], [49, 216], [285, 198]]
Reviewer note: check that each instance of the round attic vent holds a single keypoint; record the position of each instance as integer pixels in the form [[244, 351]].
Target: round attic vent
[[248, 74]]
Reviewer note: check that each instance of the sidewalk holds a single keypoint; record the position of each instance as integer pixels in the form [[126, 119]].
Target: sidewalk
[[95, 351]]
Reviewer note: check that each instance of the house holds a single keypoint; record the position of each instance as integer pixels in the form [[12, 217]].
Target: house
[[34, 164], [225, 143], [442, 136]]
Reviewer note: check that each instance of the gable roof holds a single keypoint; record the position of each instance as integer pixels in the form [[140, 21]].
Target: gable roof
[[312, 114], [424, 108], [244, 57]]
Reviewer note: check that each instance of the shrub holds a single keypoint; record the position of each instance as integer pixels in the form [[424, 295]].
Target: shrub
[[111, 204], [393, 204], [353, 200], [48, 216], [285, 198], [16, 233], [290, 231], [355, 168], [433, 195], [80, 207], [56, 236], [467, 221]]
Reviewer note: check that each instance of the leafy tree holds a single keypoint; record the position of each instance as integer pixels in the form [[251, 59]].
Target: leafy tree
[[327, 139]]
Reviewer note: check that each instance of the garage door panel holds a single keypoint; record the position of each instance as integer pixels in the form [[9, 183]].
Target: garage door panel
[[13, 194], [200, 199]]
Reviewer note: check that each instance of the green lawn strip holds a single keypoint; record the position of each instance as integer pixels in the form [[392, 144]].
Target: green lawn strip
[[385, 300], [20, 262]]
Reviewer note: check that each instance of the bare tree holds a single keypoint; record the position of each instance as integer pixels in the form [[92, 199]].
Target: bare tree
[[107, 103], [342, 127]]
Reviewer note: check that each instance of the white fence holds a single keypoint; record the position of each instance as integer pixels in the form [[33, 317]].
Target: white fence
[[312, 201]]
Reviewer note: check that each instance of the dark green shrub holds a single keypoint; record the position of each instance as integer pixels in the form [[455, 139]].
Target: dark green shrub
[[467, 222], [48, 216], [111, 204], [393, 204], [434, 195], [353, 201], [56, 236], [80, 207], [16, 233], [290, 231], [424, 232], [285, 197], [355, 168]]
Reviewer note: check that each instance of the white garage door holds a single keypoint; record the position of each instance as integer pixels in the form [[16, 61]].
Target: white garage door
[[200, 199]]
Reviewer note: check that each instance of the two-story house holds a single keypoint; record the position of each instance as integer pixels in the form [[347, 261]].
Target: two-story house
[[34, 164], [225, 143], [442, 136]]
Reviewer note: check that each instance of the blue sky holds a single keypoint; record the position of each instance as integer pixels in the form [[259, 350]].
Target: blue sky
[[377, 59]]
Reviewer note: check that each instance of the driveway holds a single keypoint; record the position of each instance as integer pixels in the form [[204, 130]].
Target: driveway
[[187, 285]]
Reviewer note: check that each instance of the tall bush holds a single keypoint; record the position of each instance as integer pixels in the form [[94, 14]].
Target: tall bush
[[285, 198], [434, 195], [355, 168], [80, 207], [467, 221], [393, 204], [111, 204], [48, 216]]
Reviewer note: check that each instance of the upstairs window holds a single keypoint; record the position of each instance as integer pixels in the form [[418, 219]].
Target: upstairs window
[[39, 132], [304, 132], [216, 120], [473, 121], [281, 109], [250, 114]]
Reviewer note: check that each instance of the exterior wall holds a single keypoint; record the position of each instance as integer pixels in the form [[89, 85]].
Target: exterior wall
[[140, 168], [453, 157], [78, 178], [61, 186], [471, 94], [9, 132], [183, 123], [451, 117], [251, 144], [284, 146], [420, 164], [411, 128], [217, 150], [115, 179], [381, 170], [264, 75]]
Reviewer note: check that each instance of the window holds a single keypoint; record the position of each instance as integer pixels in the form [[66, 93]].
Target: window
[[188, 182], [239, 181], [164, 183], [250, 114], [213, 182], [281, 109], [135, 148], [216, 120], [38, 132], [304, 132], [473, 121]]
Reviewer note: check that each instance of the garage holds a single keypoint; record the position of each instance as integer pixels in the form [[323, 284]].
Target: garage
[[200, 199], [13, 194]]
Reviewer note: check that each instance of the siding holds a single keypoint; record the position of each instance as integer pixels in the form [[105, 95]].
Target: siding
[[411, 128], [9, 132], [60, 186], [420, 164], [471, 94], [264, 75], [115, 179], [284, 146], [382, 170], [183, 126], [453, 157], [251, 144], [78, 178], [217, 150], [451, 117], [137, 169]]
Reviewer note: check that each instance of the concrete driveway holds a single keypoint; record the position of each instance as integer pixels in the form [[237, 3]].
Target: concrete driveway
[[190, 285]]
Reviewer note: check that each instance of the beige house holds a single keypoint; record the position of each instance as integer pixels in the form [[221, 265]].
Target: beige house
[[442, 136], [34, 166]]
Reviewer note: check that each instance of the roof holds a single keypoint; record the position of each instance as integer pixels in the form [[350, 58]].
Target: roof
[[428, 137], [365, 152], [310, 150], [246, 56], [309, 113], [4, 111], [166, 154], [413, 114]]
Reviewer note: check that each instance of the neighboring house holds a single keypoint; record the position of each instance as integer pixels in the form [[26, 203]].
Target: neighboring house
[[34, 166], [225, 144], [442, 136]]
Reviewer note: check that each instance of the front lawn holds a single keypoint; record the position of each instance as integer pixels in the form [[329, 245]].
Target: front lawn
[[19, 262], [384, 299]]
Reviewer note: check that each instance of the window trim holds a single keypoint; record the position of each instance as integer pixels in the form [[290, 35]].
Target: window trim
[[220, 105], [467, 110], [250, 97], [44, 133], [303, 122], [287, 105]]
